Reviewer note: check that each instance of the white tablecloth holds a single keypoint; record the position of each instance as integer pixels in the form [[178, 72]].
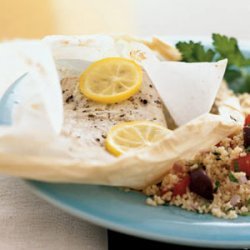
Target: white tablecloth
[[28, 222]]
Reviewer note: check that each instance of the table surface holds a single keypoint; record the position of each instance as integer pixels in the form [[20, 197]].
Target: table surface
[[28, 222]]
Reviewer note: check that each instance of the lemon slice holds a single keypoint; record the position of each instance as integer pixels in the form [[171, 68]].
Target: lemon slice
[[111, 80], [130, 136]]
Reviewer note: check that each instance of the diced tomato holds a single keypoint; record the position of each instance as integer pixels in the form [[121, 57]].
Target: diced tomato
[[180, 188], [242, 164], [247, 120]]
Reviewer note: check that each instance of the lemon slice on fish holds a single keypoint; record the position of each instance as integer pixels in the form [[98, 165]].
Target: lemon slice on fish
[[111, 80], [129, 136]]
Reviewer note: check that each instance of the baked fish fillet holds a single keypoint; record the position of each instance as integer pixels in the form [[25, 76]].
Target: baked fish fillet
[[88, 122]]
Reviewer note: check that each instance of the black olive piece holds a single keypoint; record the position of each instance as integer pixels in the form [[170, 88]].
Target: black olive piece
[[201, 184], [246, 136]]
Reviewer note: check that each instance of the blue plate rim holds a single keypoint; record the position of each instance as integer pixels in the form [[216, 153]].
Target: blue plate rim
[[106, 223]]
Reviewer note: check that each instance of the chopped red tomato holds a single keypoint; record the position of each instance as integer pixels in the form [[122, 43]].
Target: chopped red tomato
[[242, 164], [180, 188], [247, 120]]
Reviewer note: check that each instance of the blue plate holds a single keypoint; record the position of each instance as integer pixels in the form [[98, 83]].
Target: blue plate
[[126, 211]]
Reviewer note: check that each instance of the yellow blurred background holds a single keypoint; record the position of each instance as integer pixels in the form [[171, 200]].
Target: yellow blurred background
[[36, 18]]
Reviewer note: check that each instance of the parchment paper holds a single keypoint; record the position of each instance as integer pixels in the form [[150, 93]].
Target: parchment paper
[[32, 147]]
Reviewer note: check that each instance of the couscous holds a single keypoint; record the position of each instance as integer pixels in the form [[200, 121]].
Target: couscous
[[215, 181]]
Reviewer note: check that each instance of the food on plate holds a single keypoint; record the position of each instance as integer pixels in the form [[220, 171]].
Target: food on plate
[[132, 117], [215, 181], [218, 181]]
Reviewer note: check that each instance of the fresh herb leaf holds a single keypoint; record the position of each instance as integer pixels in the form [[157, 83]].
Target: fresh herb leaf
[[216, 153], [248, 149], [238, 78], [236, 166], [229, 209], [237, 74], [227, 47], [232, 178], [248, 202], [217, 185], [245, 214], [195, 52]]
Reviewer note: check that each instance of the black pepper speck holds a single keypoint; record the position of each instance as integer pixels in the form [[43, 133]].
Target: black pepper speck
[[144, 101], [157, 101], [69, 99]]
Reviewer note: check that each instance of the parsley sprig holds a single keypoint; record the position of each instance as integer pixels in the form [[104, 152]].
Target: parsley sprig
[[232, 178], [237, 73]]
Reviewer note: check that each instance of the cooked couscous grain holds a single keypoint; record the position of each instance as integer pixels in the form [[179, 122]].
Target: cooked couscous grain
[[219, 165]]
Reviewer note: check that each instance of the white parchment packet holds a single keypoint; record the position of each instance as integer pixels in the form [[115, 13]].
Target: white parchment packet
[[35, 59], [32, 148]]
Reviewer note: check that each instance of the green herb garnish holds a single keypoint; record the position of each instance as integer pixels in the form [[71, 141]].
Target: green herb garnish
[[195, 52], [237, 73], [248, 202], [248, 149], [217, 185], [229, 209], [232, 178], [216, 153], [245, 214], [236, 166], [227, 47]]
